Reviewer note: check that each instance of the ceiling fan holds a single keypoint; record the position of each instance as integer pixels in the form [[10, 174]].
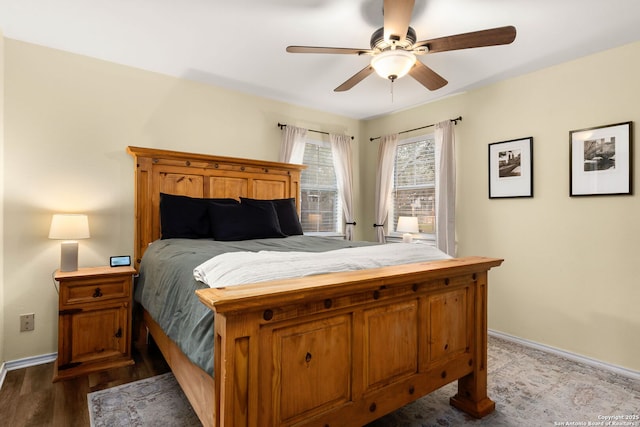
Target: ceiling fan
[[394, 48]]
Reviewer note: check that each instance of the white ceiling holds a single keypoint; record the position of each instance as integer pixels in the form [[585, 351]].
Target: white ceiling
[[240, 44]]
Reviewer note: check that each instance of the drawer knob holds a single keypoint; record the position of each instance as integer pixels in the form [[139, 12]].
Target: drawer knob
[[97, 293], [119, 333]]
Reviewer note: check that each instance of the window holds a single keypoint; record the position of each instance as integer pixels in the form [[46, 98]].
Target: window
[[321, 210], [414, 182]]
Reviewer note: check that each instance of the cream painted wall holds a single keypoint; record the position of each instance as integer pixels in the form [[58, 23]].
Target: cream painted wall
[[569, 279], [68, 120], [2, 358]]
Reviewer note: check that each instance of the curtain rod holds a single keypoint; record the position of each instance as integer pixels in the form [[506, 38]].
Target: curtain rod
[[282, 125], [455, 122]]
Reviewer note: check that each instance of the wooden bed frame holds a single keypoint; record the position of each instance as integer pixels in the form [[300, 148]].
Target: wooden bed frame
[[339, 349]]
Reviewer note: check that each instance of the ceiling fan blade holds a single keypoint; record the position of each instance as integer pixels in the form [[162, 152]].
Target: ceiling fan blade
[[427, 77], [355, 79], [492, 37], [397, 15], [319, 49]]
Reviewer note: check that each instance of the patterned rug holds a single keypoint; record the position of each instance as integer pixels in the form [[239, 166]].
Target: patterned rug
[[530, 388], [155, 401]]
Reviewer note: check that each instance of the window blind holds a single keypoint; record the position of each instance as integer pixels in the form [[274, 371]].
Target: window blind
[[414, 182], [321, 210]]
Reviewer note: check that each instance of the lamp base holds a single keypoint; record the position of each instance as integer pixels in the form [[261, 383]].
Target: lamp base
[[407, 238], [69, 256]]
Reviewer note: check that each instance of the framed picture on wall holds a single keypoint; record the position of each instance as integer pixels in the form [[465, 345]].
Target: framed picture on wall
[[511, 168], [600, 160]]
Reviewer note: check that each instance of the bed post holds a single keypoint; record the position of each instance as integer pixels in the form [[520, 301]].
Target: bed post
[[472, 389], [236, 360]]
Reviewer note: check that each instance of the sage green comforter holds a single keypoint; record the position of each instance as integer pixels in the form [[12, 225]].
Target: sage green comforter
[[166, 285]]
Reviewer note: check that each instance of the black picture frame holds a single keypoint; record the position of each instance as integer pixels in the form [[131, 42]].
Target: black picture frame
[[511, 168], [600, 160]]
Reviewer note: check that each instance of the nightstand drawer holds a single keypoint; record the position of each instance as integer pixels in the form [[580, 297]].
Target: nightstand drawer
[[89, 290]]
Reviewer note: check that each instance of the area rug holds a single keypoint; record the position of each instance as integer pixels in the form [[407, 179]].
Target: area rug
[[155, 401], [530, 388]]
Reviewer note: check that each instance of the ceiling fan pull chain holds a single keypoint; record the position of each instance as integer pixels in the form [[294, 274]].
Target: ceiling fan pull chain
[[391, 90]]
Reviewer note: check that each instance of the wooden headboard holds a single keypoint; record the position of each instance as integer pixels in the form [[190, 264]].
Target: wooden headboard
[[200, 175]]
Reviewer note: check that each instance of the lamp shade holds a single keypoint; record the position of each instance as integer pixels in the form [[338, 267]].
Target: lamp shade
[[407, 224], [69, 227], [315, 220], [393, 64]]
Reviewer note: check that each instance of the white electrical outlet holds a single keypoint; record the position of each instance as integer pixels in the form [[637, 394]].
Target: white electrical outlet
[[27, 322]]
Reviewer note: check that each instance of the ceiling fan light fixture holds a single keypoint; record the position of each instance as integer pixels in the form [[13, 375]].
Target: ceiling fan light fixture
[[393, 64]]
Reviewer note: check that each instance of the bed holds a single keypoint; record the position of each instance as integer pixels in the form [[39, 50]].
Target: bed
[[334, 349]]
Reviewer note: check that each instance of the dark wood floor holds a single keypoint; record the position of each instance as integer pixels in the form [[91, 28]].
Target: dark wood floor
[[29, 398]]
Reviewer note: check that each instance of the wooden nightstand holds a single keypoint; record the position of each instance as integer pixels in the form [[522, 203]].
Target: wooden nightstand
[[94, 321]]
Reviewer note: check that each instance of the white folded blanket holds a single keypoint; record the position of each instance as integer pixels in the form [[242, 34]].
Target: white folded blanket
[[234, 268]]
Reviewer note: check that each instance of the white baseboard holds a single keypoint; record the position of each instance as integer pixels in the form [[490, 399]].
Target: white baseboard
[[625, 372], [25, 363], [3, 373], [31, 361]]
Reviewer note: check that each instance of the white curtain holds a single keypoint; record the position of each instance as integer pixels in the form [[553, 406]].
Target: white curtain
[[384, 181], [292, 146], [341, 153], [445, 187]]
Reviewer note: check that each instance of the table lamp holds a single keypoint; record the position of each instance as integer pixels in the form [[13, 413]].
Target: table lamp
[[315, 220], [70, 228], [407, 225]]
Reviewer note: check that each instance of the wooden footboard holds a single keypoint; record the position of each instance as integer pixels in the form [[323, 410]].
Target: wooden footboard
[[347, 348]]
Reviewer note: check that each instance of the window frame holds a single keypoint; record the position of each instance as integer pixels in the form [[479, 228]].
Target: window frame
[[339, 213], [391, 223]]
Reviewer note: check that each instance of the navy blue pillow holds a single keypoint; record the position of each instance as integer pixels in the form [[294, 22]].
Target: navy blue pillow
[[243, 222], [186, 217], [287, 213]]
